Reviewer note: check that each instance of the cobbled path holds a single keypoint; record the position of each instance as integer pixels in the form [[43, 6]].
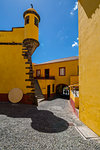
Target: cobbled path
[[50, 126]]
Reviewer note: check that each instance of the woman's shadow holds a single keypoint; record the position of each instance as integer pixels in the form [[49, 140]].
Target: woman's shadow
[[42, 120]]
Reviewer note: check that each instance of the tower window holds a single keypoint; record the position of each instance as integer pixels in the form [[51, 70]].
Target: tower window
[[27, 20], [36, 22]]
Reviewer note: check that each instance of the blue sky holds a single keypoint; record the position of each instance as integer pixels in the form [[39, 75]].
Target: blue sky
[[58, 28]]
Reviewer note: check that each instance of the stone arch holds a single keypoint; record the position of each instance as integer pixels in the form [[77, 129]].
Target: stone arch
[[59, 89]]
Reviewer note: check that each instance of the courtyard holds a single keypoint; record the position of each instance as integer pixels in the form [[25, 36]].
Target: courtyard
[[50, 126]]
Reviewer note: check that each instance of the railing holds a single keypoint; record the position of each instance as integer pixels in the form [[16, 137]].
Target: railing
[[76, 93], [46, 78]]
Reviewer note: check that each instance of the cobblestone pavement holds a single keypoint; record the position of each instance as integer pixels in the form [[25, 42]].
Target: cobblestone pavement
[[48, 127]]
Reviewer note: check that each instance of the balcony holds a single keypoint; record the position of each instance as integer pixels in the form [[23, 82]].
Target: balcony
[[45, 78]]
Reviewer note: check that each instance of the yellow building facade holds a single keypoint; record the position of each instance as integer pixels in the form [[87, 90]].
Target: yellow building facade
[[16, 48], [55, 75], [89, 63], [74, 97]]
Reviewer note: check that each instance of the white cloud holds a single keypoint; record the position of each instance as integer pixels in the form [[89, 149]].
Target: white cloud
[[71, 13], [75, 44], [76, 6], [74, 9], [77, 38]]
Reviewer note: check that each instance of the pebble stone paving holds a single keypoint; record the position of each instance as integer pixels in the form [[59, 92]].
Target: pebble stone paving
[[50, 126]]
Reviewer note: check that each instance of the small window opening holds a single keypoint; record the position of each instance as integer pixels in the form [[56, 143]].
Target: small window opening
[[27, 20], [36, 22]]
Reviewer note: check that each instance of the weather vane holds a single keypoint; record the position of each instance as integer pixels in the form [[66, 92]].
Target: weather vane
[[31, 5]]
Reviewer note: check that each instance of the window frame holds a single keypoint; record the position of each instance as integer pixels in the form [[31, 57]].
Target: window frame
[[37, 73], [27, 18], [36, 21], [64, 71]]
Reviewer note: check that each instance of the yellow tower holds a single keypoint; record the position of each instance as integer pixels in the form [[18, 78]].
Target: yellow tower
[[30, 43], [31, 29]]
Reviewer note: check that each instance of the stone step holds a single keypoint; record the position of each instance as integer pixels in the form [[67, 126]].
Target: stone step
[[29, 73], [28, 62], [32, 79], [33, 90], [23, 52], [28, 68], [30, 87], [38, 92], [24, 49]]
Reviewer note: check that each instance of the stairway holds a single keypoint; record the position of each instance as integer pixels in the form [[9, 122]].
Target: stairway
[[26, 53], [38, 92]]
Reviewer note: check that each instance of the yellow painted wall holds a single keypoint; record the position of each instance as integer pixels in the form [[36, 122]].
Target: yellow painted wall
[[12, 69], [75, 99], [12, 63], [71, 69], [74, 80], [43, 85], [89, 63], [16, 35]]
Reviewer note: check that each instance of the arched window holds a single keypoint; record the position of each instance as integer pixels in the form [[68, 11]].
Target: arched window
[[27, 20], [36, 22]]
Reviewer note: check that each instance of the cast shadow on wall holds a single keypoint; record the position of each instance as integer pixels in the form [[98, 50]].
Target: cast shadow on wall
[[42, 120], [89, 6]]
